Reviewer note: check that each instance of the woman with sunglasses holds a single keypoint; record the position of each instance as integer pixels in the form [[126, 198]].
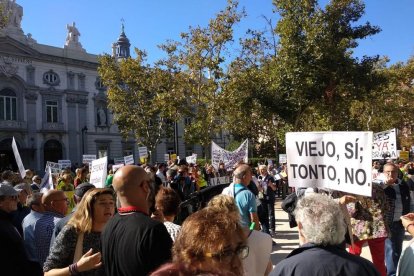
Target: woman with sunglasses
[[209, 244], [76, 250]]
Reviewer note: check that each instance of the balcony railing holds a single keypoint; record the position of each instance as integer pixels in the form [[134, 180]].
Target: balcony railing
[[53, 127]]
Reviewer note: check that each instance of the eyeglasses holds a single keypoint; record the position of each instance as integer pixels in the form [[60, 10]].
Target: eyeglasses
[[13, 197], [241, 251]]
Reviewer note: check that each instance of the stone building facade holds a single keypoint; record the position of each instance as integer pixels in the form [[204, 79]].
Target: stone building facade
[[54, 105]]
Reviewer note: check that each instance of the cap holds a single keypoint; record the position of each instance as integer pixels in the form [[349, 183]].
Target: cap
[[7, 190], [81, 189]]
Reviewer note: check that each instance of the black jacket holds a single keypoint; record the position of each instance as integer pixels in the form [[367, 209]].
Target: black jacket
[[311, 259], [13, 258]]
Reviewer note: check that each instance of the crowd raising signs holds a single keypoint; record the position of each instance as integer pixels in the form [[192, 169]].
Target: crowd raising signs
[[334, 160]]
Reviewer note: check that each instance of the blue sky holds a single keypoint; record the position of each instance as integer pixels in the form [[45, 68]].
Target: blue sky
[[151, 22]]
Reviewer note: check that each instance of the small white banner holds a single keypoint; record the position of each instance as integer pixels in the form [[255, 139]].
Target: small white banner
[[54, 167], [65, 164], [143, 152], [99, 172], [282, 158], [116, 167], [385, 145], [18, 159], [191, 159], [119, 160], [334, 160], [219, 180], [129, 160], [88, 158], [166, 157]]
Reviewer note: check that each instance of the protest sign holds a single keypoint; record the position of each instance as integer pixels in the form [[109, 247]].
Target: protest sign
[[18, 159], [119, 160], [333, 160], [191, 159], [219, 180], [129, 160], [384, 145], [166, 157], [282, 158], [65, 164], [143, 152], [98, 172], [54, 167], [229, 158], [116, 167], [88, 158], [173, 157], [270, 162]]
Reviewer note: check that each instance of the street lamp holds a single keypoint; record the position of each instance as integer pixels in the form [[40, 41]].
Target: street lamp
[[84, 130]]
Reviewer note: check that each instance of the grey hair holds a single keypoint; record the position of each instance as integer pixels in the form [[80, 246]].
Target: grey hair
[[34, 199], [321, 218]]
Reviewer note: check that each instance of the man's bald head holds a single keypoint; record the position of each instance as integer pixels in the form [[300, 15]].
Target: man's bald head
[[52, 195], [55, 201], [131, 184]]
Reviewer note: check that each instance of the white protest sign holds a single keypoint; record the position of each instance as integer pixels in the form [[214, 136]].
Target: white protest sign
[[270, 162], [54, 167], [65, 164], [191, 159], [119, 160], [129, 160], [143, 152], [229, 158], [98, 172], [18, 159], [116, 167], [385, 144], [282, 158], [219, 180], [166, 157], [334, 160], [88, 158]]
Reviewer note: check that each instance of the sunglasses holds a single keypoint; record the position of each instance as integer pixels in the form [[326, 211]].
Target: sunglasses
[[13, 197]]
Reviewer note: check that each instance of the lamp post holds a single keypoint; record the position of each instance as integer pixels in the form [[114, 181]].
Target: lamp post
[[84, 130]]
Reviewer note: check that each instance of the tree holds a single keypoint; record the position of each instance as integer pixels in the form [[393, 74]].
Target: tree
[[200, 56], [314, 74], [141, 97]]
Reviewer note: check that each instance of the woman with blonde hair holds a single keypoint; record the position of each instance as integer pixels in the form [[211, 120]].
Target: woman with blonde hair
[[260, 244], [76, 250]]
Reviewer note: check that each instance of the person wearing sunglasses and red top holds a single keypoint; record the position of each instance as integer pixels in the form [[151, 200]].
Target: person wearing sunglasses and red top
[[12, 253]]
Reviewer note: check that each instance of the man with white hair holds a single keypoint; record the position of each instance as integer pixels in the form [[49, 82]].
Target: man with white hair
[[321, 228]]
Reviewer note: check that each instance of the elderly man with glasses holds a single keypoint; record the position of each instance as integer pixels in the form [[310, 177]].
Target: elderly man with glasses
[[55, 204]]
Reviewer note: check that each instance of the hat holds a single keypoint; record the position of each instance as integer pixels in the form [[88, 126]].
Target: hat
[[7, 190], [81, 189]]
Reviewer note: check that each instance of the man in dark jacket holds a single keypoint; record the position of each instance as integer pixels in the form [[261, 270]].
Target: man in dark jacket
[[12, 253], [397, 193], [322, 229]]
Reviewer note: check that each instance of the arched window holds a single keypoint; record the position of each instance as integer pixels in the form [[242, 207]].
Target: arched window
[[8, 105]]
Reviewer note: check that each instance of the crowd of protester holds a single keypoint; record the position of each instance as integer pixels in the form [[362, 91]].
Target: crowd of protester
[[145, 222]]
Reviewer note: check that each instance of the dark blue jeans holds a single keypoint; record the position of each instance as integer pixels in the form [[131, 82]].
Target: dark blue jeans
[[393, 247]]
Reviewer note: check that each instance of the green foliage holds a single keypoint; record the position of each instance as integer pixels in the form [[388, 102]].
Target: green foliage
[[200, 57], [140, 97], [315, 75]]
